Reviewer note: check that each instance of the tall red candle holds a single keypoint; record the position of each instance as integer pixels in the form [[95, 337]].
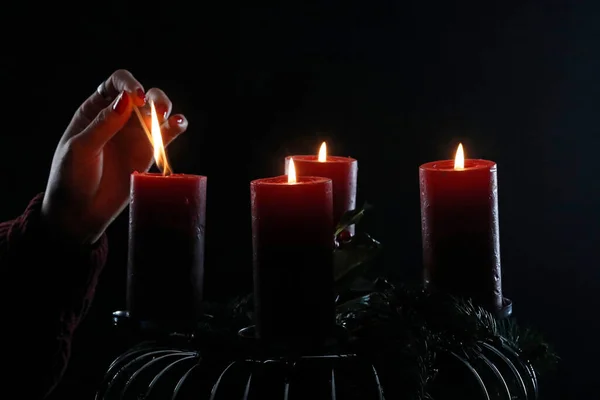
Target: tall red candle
[[293, 258], [343, 172], [461, 237], [166, 243]]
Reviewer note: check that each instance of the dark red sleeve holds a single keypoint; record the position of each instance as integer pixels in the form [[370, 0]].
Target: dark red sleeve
[[46, 288]]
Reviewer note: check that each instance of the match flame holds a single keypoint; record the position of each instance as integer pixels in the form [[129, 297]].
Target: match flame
[[459, 159], [291, 172], [323, 152], [159, 149]]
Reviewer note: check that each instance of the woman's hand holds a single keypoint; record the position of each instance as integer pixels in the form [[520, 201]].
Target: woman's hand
[[89, 179]]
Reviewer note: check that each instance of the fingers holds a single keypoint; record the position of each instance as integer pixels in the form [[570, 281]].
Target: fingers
[[161, 101], [121, 80], [171, 126], [162, 104], [107, 123], [106, 119], [174, 126]]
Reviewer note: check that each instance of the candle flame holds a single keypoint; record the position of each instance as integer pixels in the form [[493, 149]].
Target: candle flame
[[291, 172], [160, 156], [459, 159], [323, 152]]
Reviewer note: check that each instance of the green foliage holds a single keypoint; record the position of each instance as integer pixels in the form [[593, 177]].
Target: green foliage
[[350, 218], [354, 256], [396, 323], [402, 330]]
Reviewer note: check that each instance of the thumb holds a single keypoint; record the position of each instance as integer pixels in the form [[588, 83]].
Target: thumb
[[108, 122]]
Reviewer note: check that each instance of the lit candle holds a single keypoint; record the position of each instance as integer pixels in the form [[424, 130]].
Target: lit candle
[[343, 172], [293, 257], [166, 241], [461, 240]]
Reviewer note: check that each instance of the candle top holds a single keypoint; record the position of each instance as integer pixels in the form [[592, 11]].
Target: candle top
[[171, 176], [282, 180], [469, 164], [315, 159]]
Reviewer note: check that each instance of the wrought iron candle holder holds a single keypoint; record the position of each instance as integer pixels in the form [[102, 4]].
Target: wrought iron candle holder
[[190, 365], [389, 342], [174, 369]]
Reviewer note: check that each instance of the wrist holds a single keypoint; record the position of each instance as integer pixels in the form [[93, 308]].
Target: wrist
[[66, 226]]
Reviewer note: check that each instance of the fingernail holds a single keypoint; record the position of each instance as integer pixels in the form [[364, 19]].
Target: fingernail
[[163, 110], [121, 103], [140, 93]]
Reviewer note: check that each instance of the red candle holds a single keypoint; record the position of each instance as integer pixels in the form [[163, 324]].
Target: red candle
[[166, 243], [461, 240], [293, 258], [343, 172]]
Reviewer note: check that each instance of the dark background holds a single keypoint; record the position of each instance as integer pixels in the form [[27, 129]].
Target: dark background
[[393, 84]]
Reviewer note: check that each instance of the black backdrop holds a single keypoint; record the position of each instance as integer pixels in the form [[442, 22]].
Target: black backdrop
[[394, 84]]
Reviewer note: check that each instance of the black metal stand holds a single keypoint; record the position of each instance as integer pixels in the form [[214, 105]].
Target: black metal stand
[[167, 364]]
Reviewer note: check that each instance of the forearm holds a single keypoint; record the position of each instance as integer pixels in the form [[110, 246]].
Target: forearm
[[46, 288]]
